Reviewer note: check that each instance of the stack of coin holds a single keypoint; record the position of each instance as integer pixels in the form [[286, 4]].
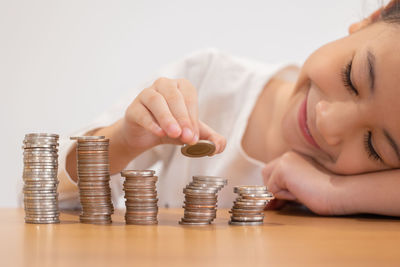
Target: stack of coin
[[40, 178], [248, 208], [201, 200], [141, 197], [94, 179]]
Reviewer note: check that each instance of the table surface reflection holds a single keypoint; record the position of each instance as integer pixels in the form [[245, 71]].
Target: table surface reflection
[[290, 237]]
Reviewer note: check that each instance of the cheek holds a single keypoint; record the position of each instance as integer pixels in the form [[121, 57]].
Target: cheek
[[288, 123], [351, 160]]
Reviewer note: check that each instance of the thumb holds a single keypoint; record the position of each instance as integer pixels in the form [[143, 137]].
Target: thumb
[[268, 169], [207, 133]]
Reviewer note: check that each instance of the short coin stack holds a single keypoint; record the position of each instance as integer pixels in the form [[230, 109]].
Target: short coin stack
[[201, 200], [40, 178], [248, 208], [141, 197], [94, 179]]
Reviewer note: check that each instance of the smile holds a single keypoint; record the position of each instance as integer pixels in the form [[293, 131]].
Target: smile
[[302, 118]]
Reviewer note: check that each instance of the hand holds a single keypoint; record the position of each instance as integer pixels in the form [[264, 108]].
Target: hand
[[295, 178], [167, 113]]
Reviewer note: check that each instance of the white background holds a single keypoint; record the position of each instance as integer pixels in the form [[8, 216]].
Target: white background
[[63, 62]]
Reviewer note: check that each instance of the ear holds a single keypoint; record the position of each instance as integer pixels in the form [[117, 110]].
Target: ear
[[365, 22]]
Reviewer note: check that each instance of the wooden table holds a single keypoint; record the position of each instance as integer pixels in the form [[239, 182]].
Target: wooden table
[[291, 237]]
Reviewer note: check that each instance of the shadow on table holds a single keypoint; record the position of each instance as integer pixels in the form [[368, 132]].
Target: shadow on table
[[295, 209]]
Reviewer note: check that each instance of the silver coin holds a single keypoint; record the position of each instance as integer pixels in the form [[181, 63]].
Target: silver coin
[[199, 213], [200, 191], [207, 184], [267, 196], [244, 211], [182, 222], [214, 179], [41, 214], [49, 135], [247, 219], [41, 207], [134, 180], [246, 223], [239, 188], [142, 222], [200, 201], [142, 200], [33, 221], [85, 138], [150, 208], [246, 204], [137, 173]]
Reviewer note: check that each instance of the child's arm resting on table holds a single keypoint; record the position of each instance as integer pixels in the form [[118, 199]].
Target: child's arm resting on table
[[293, 177]]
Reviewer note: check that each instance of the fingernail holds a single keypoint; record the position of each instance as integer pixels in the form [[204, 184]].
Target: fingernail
[[187, 134], [195, 138]]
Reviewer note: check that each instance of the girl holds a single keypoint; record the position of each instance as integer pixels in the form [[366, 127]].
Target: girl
[[330, 140]]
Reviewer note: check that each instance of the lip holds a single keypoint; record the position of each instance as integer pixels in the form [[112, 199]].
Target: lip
[[302, 119]]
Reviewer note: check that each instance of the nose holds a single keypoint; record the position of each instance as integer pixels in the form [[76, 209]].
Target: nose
[[334, 120]]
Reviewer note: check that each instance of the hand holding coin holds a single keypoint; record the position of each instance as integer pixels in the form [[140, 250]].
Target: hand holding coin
[[167, 113]]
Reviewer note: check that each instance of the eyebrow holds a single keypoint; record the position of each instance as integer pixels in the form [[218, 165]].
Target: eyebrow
[[371, 70], [392, 143]]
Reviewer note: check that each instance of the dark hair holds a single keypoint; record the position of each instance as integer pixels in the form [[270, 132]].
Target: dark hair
[[391, 13]]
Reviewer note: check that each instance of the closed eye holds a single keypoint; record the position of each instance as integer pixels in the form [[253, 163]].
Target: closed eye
[[370, 148], [346, 78]]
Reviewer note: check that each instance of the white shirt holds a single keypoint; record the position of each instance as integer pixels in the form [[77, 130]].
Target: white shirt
[[228, 88]]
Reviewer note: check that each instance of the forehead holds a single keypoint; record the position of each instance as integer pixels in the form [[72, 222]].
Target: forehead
[[385, 47]]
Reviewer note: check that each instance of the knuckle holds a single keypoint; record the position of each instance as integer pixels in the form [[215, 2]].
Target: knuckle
[[152, 98], [160, 80], [183, 81], [191, 102], [183, 120], [147, 122], [186, 84], [165, 119], [174, 96], [133, 110], [286, 158], [168, 88]]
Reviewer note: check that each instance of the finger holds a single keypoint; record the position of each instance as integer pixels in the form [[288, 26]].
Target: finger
[[189, 93], [285, 195], [267, 170], [142, 116], [176, 102], [275, 204], [158, 107], [276, 182], [207, 133]]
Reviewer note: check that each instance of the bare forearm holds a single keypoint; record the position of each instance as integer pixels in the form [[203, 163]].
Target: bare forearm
[[376, 193], [119, 153]]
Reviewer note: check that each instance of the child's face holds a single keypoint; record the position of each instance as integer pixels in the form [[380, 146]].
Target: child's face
[[352, 130]]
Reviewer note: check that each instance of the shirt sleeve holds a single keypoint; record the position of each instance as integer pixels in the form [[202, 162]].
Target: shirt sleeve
[[193, 67]]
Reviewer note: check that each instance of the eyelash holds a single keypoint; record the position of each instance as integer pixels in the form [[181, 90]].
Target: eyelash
[[346, 78], [369, 147]]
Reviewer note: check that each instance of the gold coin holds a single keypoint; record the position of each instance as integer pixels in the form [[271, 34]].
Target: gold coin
[[200, 149]]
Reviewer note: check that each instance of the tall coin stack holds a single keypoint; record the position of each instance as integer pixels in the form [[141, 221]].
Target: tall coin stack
[[40, 178], [248, 208], [94, 179], [141, 197], [200, 206]]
